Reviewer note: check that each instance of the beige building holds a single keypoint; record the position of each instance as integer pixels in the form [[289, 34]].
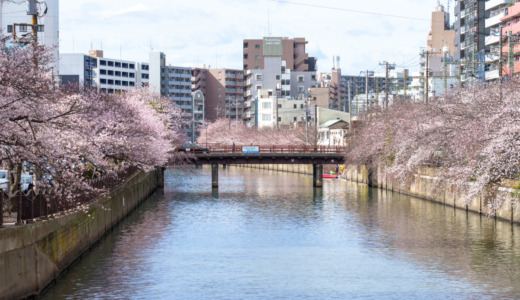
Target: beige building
[[292, 51], [223, 90], [441, 35]]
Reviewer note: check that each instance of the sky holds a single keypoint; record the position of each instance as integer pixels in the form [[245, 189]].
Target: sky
[[211, 32]]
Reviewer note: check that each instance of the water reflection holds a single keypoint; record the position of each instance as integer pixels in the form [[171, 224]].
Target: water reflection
[[265, 234]]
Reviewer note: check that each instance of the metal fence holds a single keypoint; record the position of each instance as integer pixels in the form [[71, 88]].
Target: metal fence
[[26, 207], [275, 149]]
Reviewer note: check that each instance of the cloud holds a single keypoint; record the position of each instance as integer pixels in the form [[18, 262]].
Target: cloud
[[211, 31]]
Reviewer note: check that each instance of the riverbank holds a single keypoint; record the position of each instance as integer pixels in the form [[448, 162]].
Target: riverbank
[[32, 256], [424, 185]]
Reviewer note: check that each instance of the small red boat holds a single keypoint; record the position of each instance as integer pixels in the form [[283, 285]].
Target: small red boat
[[330, 176]]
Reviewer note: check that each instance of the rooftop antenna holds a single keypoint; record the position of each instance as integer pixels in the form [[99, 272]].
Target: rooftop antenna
[[338, 60], [333, 62]]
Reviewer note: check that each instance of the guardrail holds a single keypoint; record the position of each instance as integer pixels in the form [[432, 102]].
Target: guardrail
[[215, 149], [23, 207]]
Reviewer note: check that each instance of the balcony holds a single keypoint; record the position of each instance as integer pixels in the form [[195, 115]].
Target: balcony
[[490, 22], [494, 3], [492, 39], [491, 75]]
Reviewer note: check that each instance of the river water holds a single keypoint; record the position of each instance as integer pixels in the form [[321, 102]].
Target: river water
[[270, 235]]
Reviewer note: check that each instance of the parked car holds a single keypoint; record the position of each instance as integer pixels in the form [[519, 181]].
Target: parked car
[[4, 180], [192, 147], [26, 180]]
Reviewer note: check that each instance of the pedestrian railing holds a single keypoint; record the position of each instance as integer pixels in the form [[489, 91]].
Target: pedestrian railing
[[27, 207], [278, 149]]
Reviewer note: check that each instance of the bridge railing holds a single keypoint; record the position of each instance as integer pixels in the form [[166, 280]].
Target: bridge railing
[[278, 149]]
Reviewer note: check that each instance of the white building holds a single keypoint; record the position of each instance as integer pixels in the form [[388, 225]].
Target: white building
[[495, 10], [333, 133], [106, 74], [277, 112], [12, 13]]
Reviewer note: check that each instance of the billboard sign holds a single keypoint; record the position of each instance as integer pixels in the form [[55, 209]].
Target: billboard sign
[[273, 46]]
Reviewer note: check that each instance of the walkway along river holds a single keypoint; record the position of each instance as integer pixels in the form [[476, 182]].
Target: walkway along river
[[266, 235]]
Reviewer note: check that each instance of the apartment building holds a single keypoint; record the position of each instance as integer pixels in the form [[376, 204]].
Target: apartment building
[[470, 17], [107, 75], [440, 45], [292, 52], [15, 12], [511, 46], [277, 112], [223, 90]]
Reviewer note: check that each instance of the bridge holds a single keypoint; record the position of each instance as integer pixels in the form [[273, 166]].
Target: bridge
[[270, 154]]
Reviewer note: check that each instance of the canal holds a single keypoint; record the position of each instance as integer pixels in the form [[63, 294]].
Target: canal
[[269, 235]]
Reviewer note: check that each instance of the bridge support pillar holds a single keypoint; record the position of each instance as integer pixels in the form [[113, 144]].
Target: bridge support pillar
[[317, 178], [214, 176]]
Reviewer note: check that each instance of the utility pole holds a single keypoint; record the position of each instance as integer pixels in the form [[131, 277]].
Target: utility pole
[[445, 73], [500, 58], [427, 73], [366, 89], [277, 125], [32, 10], [510, 55], [405, 84], [349, 107], [386, 86]]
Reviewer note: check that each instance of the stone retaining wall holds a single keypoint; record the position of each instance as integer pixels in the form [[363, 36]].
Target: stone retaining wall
[[426, 185], [32, 256]]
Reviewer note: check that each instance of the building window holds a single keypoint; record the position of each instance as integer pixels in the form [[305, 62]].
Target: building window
[[110, 81], [257, 46], [145, 67], [103, 62], [246, 45], [110, 63], [301, 105], [117, 73], [219, 95], [131, 75], [266, 117], [41, 28], [125, 83], [279, 106], [295, 119], [313, 77], [10, 28], [300, 78], [124, 74], [131, 66], [245, 56], [257, 68], [125, 65], [301, 89], [131, 83], [118, 65], [23, 28], [118, 82], [258, 76], [144, 76], [266, 105], [257, 57], [103, 72], [295, 106], [110, 72], [277, 77], [258, 87], [103, 81]]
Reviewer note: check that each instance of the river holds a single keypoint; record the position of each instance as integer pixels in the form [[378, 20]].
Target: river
[[270, 235]]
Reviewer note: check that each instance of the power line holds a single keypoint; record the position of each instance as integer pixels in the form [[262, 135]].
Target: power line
[[350, 10]]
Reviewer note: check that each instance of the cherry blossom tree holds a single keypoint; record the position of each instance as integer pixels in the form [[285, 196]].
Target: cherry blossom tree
[[222, 132], [471, 135], [63, 134]]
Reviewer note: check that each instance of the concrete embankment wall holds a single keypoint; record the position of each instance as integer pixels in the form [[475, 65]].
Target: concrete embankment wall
[[426, 184], [32, 256]]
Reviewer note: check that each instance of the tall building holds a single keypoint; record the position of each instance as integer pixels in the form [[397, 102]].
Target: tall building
[[471, 37], [223, 90], [106, 74], [511, 47], [277, 64], [15, 12], [495, 12], [440, 46], [292, 52]]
